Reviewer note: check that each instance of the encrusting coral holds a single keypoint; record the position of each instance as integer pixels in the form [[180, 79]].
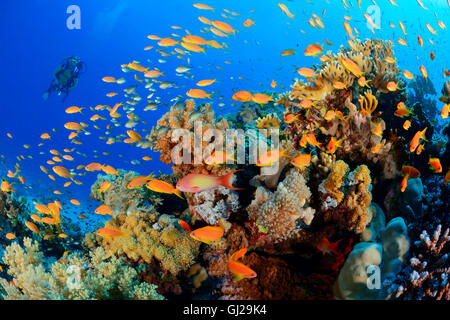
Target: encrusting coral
[[80, 277]]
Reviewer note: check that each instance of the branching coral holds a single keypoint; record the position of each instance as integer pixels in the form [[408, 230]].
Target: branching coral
[[82, 277], [276, 214], [118, 197], [427, 275], [147, 238]]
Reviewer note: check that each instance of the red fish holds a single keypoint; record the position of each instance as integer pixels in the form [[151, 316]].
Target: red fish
[[184, 225], [325, 246]]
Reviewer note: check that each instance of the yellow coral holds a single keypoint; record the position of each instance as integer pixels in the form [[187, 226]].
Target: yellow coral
[[82, 277], [268, 122], [367, 103], [336, 179], [174, 248]]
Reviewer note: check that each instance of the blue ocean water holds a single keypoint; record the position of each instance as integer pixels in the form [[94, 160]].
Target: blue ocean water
[[34, 39]]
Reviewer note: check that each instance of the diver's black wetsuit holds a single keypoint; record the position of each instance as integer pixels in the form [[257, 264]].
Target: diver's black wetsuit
[[66, 77]]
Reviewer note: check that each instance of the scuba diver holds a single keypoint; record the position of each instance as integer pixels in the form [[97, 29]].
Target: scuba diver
[[65, 77]]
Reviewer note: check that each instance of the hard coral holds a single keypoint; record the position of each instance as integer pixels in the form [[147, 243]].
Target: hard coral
[[426, 277]]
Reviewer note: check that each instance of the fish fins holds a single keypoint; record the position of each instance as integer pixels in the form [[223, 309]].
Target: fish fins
[[178, 193]]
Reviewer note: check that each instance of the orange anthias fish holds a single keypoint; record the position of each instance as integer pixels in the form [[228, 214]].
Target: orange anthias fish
[[184, 225], [447, 177], [408, 172], [424, 72], [313, 50], [445, 111], [302, 161], [306, 72], [32, 227], [104, 186], [435, 165], [242, 96], [352, 67], [198, 94], [103, 210], [290, 118], [270, 157], [325, 246], [6, 187], [218, 158], [93, 167], [420, 148], [163, 187], [238, 269], [111, 233], [402, 111], [406, 124], [195, 183], [286, 10], [416, 140], [260, 98], [208, 234], [138, 182], [333, 145]]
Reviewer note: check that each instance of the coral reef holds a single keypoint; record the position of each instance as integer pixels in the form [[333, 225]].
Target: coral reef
[[275, 214], [215, 204], [426, 275], [369, 259], [184, 116], [147, 237], [348, 209], [118, 197], [80, 277]]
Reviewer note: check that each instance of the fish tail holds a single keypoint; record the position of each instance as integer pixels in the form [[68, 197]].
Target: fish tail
[[226, 181], [423, 134], [178, 193], [238, 277]]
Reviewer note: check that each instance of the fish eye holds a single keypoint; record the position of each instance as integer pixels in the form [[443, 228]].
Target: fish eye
[[193, 233], [252, 274]]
